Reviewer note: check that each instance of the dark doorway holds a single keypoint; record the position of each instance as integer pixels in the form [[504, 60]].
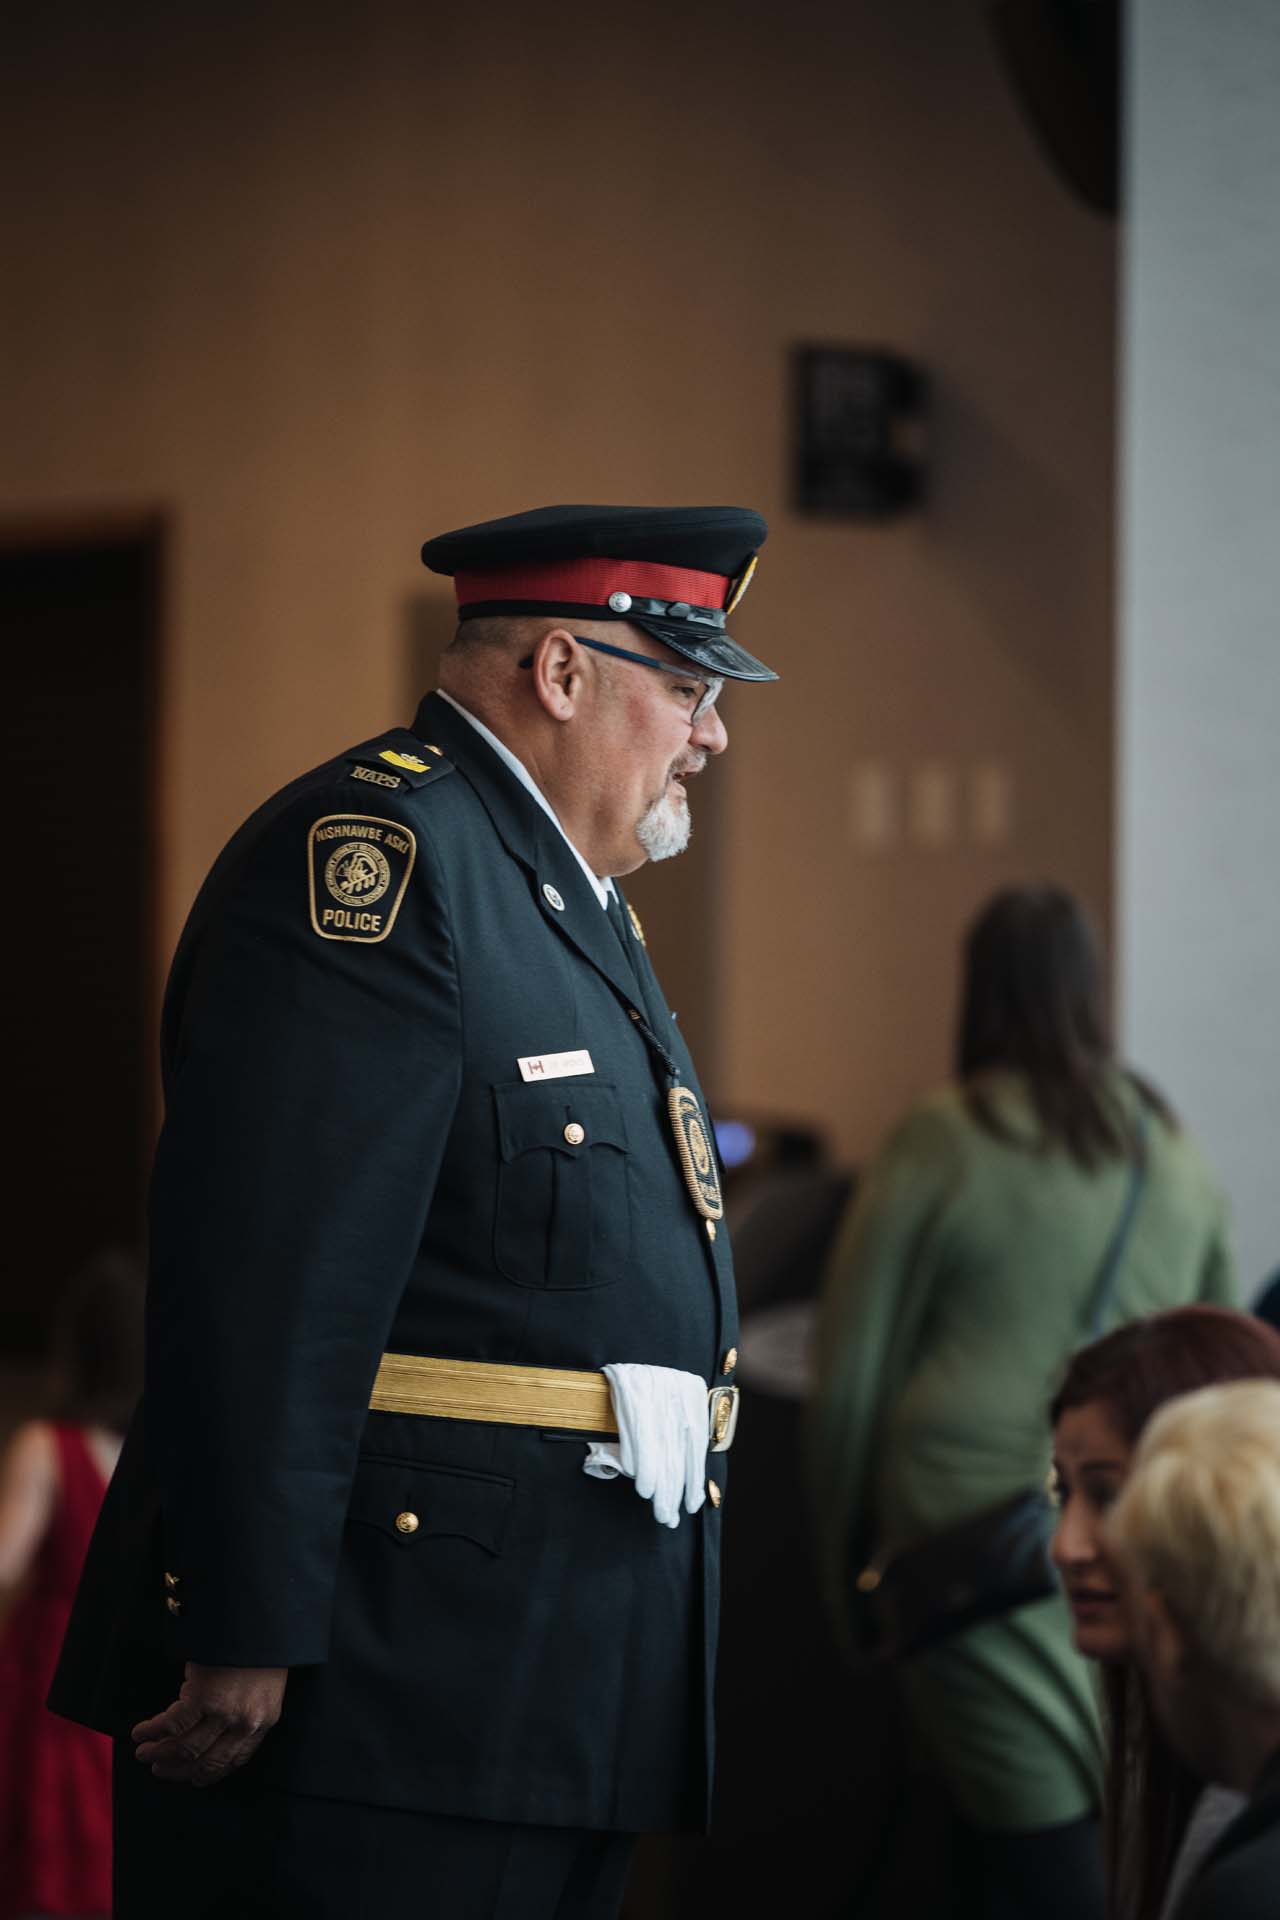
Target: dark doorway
[[79, 615]]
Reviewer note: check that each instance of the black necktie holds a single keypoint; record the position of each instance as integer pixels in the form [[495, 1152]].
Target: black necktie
[[646, 997]]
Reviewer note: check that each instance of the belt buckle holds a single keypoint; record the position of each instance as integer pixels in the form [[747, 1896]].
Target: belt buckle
[[722, 1417]]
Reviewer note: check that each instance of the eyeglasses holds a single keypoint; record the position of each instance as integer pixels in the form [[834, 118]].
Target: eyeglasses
[[712, 685]]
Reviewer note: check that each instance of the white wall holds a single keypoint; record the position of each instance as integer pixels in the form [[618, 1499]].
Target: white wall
[[1199, 697]]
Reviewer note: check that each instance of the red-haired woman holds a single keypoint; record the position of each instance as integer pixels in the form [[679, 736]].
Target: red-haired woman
[[1159, 1819]]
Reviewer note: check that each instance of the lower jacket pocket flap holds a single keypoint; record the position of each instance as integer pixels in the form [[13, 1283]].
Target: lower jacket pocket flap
[[413, 1503]]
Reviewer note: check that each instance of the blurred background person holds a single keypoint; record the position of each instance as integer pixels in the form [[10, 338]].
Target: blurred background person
[[1197, 1533], [1160, 1819], [960, 1284], [55, 1778]]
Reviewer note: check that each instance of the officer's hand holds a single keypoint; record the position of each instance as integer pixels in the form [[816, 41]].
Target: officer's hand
[[217, 1722]]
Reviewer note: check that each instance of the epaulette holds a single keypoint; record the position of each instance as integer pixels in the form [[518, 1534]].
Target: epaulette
[[415, 764]]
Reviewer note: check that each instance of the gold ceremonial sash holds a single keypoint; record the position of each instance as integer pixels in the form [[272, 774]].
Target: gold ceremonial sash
[[480, 1390]]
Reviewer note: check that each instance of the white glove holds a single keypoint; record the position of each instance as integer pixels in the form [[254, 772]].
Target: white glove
[[662, 1438]]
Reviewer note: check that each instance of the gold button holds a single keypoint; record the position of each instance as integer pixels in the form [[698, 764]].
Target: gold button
[[713, 1493], [174, 1606], [575, 1134], [711, 1229], [730, 1360], [406, 1523], [171, 1581]]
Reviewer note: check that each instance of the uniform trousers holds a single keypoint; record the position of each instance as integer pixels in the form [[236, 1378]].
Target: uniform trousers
[[241, 1851]]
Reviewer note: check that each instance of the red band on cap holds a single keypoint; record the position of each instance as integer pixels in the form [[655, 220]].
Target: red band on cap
[[590, 582]]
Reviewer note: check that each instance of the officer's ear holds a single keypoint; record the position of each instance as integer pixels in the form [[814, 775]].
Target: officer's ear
[[556, 669]]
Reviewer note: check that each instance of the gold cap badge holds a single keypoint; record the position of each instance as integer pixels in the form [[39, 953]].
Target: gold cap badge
[[740, 585]]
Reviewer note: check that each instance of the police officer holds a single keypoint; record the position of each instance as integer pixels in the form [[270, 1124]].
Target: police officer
[[434, 1158]]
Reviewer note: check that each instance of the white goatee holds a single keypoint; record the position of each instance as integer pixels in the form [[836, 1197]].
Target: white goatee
[[664, 828]]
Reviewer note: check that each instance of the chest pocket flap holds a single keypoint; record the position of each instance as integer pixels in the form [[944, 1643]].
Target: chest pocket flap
[[562, 1217]]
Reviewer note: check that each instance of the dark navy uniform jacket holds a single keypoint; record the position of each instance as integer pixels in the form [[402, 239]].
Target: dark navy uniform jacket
[[351, 1161]]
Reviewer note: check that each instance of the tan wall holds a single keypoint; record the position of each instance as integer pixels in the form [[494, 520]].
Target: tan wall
[[320, 281]]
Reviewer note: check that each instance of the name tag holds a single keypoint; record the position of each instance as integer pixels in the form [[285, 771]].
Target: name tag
[[555, 1066]]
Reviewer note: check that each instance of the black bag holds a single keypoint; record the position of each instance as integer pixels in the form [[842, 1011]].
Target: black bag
[[981, 1568], [976, 1570]]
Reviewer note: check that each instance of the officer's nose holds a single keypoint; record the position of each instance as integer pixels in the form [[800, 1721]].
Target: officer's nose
[[709, 733]]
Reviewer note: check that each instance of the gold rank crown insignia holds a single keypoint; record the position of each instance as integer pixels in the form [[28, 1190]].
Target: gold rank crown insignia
[[409, 761]]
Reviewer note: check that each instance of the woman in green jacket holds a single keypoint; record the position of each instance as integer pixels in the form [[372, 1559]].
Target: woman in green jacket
[[958, 1289]]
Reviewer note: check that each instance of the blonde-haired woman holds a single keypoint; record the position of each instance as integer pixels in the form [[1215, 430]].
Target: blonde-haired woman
[[1196, 1530]]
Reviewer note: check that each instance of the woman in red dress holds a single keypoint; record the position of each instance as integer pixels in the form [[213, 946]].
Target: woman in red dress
[[55, 1778]]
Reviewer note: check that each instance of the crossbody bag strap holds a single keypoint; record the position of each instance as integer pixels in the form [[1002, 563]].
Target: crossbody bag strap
[[1104, 1290]]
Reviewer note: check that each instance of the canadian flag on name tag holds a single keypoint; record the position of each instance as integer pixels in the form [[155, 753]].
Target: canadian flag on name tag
[[555, 1066]]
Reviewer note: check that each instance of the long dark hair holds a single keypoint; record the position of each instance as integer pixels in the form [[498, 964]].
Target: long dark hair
[[97, 1343], [1149, 1792], [1032, 1003]]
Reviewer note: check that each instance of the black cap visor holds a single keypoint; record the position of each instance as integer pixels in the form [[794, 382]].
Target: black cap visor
[[710, 648]]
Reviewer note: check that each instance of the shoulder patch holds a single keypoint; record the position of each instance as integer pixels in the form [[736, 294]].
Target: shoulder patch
[[392, 770], [358, 867]]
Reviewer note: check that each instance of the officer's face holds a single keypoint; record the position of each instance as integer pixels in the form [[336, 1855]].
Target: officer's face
[[650, 745]]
